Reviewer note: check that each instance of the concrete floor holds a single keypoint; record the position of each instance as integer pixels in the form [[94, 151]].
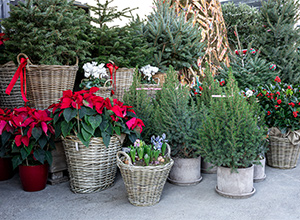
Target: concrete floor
[[276, 198]]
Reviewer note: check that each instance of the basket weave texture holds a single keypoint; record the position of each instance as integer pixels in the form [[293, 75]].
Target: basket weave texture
[[7, 71], [282, 153], [92, 168], [124, 79], [144, 184], [45, 83]]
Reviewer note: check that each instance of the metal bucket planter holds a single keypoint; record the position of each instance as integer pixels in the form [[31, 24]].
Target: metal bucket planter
[[260, 171], [235, 185], [186, 171]]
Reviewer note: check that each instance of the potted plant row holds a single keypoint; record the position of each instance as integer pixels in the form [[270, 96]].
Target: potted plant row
[[90, 127], [144, 169], [29, 135]]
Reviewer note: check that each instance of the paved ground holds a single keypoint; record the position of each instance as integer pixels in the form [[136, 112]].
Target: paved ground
[[277, 198]]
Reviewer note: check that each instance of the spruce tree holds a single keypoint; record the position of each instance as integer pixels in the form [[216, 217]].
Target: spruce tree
[[49, 32], [230, 136], [280, 37], [142, 105], [178, 117]]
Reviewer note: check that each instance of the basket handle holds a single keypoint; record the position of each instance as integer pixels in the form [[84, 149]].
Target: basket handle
[[169, 150], [122, 153], [107, 82], [77, 61], [158, 80], [24, 55]]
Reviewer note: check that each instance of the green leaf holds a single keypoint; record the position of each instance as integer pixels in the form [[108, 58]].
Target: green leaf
[[106, 138], [88, 128], [40, 155], [48, 157], [37, 132], [66, 128], [24, 153], [57, 129], [86, 143], [43, 141], [117, 130], [86, 111], [95, 121], [5, 137], [104, 125], [69, 114], [86, 135], [16, 161], [55, 118]]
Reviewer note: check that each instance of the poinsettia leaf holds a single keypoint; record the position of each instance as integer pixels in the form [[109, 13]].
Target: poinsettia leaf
[[97, 132], [117, 130], [55, 118], [5, 137], [86, 135], [86, 143], [106, 138], [48, 157], [132, 137], [95, 121], [40, 155], [24, 153], [66, 128], [36, 132], [29, 148], [104, 124], [52, 143], [16, 161], [87, 127], [86, 111], [43, 141], [57, 129], [69, 114]]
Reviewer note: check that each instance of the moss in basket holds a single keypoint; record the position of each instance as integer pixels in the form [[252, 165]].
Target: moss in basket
[[50, 32], [230, 136], [178, 117]]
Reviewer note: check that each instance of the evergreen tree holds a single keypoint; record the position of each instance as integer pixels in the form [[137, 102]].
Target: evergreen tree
[[177, 116], [280, 38], [176, 41], [142, 105], [49, 32], [230, 136]]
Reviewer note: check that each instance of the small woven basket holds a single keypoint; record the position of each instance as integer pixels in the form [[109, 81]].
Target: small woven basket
[[282, 153], [92, 168], [124, 79], [45, 83], [7, 71], [104, 91], [151, 88], [144, 184]]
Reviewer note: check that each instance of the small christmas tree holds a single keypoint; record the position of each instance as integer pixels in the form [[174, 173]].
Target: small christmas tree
[[280, 37], [142, 106], [50, 32], [178, 117]]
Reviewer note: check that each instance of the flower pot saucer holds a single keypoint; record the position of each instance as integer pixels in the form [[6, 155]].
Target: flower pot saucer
[[235, 196], [260, 179], [179, 183]]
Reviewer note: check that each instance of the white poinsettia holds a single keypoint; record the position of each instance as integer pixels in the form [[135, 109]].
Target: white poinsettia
[[149, 71], [94, 70]]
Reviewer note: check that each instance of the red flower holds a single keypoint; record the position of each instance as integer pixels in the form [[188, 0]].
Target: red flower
[[269, 112], [292, 104], [278, 93], [260, 94], [222, 83], [277, 79], [276, 107], [132, 123], [295, 114], [2, 39], [279, 101], [201, 89], [289, 87], [195, 93]]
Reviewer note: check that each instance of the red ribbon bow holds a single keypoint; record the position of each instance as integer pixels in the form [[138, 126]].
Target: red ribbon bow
[[21, 72], [111, 68]]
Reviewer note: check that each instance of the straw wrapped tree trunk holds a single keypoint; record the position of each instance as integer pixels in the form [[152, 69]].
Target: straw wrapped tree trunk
[[208, 14]]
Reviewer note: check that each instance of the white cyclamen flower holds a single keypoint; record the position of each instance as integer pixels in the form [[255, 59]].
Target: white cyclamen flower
[[249, 93]]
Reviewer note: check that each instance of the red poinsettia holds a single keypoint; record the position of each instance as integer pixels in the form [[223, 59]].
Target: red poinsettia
[[84, 114], [2, 38]]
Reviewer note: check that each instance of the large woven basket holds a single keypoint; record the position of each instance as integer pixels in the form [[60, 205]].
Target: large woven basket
[[144, 184], [13, 100], [282, 153], [45, 83], [91, 169], [124, 79]]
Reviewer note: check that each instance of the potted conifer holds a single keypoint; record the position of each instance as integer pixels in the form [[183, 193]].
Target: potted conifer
[[231, 140], [51, 34], [178, 117]]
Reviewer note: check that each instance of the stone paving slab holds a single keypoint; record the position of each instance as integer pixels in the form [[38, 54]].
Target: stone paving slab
[[276, 198]]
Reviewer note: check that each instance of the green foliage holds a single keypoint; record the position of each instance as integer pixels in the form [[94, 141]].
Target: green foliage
[[280, 37], [248, 70], [245, 18], [142, 105], [176, 41], [178, 117], [49, 32], [230, 136]]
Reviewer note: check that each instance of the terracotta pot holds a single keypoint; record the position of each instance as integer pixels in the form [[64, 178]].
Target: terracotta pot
[[6, 169], [33, 178]]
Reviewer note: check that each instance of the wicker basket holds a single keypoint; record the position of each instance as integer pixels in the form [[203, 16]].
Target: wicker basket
[[104, 91], [282, 153], [151, 88], [92, 168], [7, 71], [45, 83], [144, 185], [124, 79]]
